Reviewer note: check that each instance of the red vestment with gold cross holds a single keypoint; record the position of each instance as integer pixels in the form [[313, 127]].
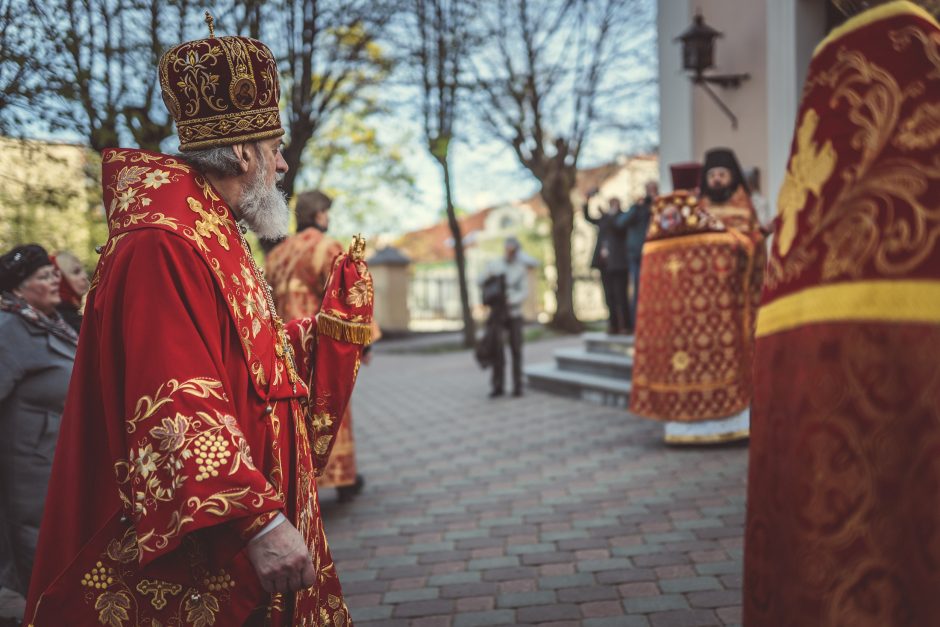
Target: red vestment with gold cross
[[192, 419], [298, 269], [843, 521], [700, 284]]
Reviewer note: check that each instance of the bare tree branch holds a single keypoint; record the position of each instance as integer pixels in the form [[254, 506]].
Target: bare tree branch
[[551, 78]]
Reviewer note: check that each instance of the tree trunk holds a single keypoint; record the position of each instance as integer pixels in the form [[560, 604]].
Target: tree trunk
[[293, 155], [556, 192], [469, 329]]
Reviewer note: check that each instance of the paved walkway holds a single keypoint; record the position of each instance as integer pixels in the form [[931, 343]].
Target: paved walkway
[[537, 510]]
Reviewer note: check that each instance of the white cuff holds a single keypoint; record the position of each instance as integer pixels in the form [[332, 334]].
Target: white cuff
[[277, 520]]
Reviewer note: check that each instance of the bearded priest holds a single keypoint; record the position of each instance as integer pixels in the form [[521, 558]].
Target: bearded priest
[[699, 287], [183, 490], [843, 508]]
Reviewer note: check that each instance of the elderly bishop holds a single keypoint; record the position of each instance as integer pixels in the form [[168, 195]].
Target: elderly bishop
[[183, 490]]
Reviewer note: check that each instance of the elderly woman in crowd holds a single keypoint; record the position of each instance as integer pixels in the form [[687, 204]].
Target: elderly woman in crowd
[[37, 349], [72, 288]]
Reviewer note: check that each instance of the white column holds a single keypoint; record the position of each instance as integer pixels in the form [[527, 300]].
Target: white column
[[782, 94], [794, 27], [675, 89]]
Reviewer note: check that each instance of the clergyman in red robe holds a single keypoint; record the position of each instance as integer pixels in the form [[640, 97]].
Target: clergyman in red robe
[[183, 490], [699, 287], [298, 269]]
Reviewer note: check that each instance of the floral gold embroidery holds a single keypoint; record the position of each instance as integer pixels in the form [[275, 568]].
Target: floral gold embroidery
[[322, 445], [112, 608], [361, 293], [810, 167], [200, 387], [221, 581], [680, 361], [207, 226], [125, 550], [99, 577], [156, 178], [211, 452], [921, 130], [201, 609], [878, 212], [321, 421]]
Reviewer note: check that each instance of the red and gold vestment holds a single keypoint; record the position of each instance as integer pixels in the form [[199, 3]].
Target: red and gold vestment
[[700, 284], [843, 523], [298, 269], [193, 417]]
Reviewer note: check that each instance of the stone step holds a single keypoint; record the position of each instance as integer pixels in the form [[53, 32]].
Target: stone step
[[602, 364], [599, 390], [602, 343]]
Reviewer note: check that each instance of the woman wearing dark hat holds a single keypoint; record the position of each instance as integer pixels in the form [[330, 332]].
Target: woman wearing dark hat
[[37, 349]]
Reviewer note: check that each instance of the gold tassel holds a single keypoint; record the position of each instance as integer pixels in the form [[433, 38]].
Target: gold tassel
[[342, 331]]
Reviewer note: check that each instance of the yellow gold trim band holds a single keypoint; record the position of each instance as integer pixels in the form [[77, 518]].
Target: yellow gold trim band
[[685, 387], [875, 14], [717, 438], [685, 241], [231, 141], [343, 331], [229, 116], [874, 301]]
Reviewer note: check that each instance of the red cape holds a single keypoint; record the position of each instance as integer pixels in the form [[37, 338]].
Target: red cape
[[184, 430]]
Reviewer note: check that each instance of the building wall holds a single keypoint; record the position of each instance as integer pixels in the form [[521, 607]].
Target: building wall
[[675, 90], [773, 41], [743, 50], [794, 27]]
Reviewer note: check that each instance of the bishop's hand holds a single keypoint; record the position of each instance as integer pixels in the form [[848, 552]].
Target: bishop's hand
[[281, 560]]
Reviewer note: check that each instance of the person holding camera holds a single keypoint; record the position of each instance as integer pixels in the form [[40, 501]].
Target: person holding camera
[[505, 288]]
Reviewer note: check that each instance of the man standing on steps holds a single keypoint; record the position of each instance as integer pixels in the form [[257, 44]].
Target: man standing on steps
[[610, 258], [634, 223], [516, 280]]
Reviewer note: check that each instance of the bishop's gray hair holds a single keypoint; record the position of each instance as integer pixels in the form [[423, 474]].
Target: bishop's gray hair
[[220, 160]]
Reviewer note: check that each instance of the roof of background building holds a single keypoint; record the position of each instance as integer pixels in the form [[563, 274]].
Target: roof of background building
[[435, 244]]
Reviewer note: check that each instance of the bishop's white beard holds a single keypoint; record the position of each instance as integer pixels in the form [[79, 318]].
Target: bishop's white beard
[[265, 208]]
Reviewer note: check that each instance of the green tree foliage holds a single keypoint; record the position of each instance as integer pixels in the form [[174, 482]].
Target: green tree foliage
[[367, 176], [49, 195]]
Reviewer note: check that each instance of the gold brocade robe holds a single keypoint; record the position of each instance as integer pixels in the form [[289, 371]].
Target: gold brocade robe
[[298, 269], [187, 425], [699, 287], [843, 504]]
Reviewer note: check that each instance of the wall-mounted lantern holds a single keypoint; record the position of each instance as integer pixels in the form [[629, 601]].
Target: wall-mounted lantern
[[698, 55]]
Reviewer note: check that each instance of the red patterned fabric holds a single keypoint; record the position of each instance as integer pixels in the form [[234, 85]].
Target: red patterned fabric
[[699, 288], [298, 269], [187, 426], [843, 523]]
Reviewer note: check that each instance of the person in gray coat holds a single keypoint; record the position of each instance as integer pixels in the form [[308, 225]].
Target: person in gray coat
[[508, 315], [37, 350]]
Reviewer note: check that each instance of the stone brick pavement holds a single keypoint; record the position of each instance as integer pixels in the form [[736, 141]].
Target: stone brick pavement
[[537, 510]]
